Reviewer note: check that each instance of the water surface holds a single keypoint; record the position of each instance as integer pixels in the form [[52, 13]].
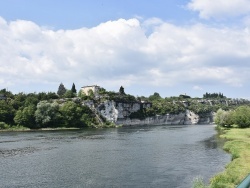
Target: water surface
[[154, 156]]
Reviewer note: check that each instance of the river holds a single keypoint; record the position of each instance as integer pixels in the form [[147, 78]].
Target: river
[[151, 156]]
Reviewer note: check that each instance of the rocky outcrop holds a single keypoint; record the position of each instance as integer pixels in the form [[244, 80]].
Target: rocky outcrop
[[186, 118], [118, 113], [206, 118], [107, 109]]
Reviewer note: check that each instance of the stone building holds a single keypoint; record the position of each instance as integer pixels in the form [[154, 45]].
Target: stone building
[[88, 89]]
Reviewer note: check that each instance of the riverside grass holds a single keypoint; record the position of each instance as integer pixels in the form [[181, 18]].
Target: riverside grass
[[238, 144]]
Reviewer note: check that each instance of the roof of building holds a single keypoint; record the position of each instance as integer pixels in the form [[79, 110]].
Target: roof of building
[[91, 86]]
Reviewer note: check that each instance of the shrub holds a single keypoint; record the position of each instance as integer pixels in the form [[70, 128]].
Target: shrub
[[4, 125]]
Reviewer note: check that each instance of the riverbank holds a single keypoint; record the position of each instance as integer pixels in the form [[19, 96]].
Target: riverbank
[[21, 128], [238, 144]]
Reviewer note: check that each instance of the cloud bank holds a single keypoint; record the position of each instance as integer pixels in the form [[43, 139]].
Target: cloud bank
[[123, 52], [220, 9]]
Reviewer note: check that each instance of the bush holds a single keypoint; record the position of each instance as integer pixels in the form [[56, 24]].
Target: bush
[[241, 116], [4, 125], [224, 118]]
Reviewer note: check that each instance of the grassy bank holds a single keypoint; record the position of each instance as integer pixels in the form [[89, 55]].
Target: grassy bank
[[238, 144]]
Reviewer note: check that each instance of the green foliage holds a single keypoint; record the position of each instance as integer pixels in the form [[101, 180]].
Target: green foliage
[[4, 126], [19, 100], [69, 94], [102, 91], [117, 97], [223, 118], [91, 93], [238, 145], [7, 93], [71, 114], [26, 117], [47, 96], [47, 115], [213, 95], [31, 99], [155, 96], [241, 116], [121, 90], [200, 108], [7, 112], [61, 90]]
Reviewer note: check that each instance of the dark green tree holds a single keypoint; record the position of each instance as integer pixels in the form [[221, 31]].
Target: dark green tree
[[121, 90], [71, 113], [61, 90], [7, 112], [73, 89], [155, 96], [69, 94]]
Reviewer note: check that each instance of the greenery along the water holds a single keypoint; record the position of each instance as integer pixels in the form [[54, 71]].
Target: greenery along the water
[[238, 144], [66, 108], [239, 117], [234, 126]]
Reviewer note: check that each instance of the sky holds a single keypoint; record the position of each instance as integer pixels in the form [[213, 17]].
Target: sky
[[171, 47]]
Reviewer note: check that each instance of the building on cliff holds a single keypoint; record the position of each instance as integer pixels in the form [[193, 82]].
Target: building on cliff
[[87, 90]]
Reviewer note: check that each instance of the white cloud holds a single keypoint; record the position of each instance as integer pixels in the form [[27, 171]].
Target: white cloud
[[120, 53], [220, 9], [198, 88]]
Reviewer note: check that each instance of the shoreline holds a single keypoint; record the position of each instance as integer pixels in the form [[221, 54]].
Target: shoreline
[[238, 145], [24, 129]]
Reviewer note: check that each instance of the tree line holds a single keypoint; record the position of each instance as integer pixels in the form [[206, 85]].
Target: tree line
[[45, 110], [65, 108], [239, 117], [213, 95]]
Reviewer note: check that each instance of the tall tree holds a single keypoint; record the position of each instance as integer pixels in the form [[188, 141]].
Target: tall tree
[[73, 89], [47, 115], [121, 90], [61, 90], [155, 96]]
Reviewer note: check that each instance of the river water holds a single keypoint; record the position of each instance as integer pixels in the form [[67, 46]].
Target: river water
[[152, 156]]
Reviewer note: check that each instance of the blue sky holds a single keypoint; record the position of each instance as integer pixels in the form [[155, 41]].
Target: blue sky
[[74, 14], [171, 47]]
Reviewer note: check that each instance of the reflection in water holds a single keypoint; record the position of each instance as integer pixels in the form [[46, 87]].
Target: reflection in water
[[150, 156]]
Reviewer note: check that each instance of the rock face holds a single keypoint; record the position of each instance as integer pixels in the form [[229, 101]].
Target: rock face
[[108, 110], [118, 113]]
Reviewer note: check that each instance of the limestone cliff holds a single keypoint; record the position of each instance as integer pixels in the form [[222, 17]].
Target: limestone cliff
[[118, 113]]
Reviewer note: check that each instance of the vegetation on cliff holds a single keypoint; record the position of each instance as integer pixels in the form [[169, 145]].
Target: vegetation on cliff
[[66, 109]]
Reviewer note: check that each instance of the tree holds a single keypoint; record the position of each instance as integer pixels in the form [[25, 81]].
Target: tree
[[26, 117], [121, 90], [241, 116], [7, 112], [61, 90], [71, 114], [47, 114], [223, 118], [19, 100], [69, 94], [73, 89], [155, 96]]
